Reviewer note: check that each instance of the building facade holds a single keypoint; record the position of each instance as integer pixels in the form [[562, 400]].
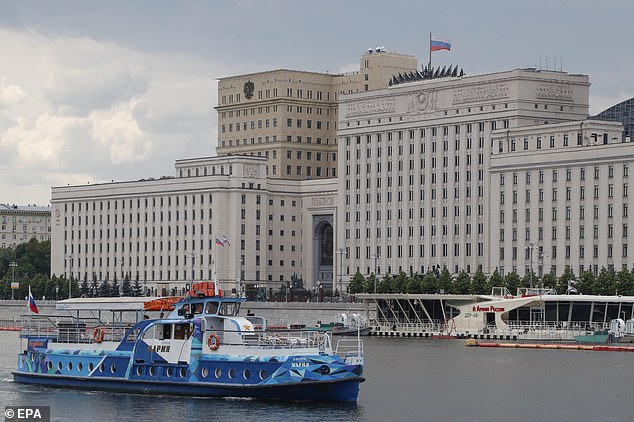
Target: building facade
[[290, 117], [415, 183], [219, 213], [320, 176], [19, 224], [560, 198]]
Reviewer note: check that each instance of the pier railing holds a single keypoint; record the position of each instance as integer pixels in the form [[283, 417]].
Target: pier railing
[[551, 330]]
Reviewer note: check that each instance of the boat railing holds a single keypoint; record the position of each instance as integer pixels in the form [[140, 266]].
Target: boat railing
[[72, 329], [351, 350], [274, 340]]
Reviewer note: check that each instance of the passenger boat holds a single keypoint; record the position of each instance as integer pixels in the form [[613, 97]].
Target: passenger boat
[[202, 348], [530, 314], [345, 325]]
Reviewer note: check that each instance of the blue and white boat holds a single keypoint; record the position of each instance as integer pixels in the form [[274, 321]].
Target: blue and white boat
[[202, 348]]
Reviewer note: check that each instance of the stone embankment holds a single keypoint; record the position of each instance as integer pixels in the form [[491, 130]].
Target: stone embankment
[[276, 313]]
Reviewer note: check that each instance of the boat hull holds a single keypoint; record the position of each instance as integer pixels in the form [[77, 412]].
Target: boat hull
[[345, 390]]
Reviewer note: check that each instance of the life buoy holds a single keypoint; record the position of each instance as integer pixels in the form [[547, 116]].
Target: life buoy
[[98, 334], [213, 341]]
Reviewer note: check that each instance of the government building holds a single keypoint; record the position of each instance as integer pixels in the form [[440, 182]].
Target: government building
[[383, 170]]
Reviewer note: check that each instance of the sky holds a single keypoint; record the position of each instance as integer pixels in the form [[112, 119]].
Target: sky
[[95, 92]]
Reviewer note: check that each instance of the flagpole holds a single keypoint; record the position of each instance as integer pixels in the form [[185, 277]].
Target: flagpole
[[429, 67]]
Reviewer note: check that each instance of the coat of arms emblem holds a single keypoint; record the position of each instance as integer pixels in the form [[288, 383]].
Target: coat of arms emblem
[[248, 89]]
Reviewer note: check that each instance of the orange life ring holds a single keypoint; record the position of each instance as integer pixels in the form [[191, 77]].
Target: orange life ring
[[98, 334], [213, 342]]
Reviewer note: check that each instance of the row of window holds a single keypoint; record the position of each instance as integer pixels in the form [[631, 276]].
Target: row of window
[[568, 211], [568, 252], [554, 174], [273, 93], [582, 193], [567, 232]]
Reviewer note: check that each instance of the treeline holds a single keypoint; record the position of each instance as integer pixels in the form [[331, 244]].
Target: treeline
[[32, 268], [605, 283]]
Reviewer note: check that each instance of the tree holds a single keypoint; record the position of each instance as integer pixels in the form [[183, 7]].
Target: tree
[[399, 283], [105, 289], [83, 289], [462, 285], [445, 282], [137, 288], [512, 282], [414, 284], [479, 285], [625, 282], [126, 286], [585, 285], [568, 277], [357, 284], [496, 280], [430, 283]]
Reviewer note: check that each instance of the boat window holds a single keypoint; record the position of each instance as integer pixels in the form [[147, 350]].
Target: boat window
[[212, 308], [229, 308], [204, 372], [198, 308], [182, 331], [164, 331]]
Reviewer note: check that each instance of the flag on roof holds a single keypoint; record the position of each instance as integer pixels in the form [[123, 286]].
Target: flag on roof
[[439, 44], [219, 242]]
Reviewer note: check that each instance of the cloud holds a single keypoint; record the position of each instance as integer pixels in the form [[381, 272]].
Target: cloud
[[78, 91], [75, 110]]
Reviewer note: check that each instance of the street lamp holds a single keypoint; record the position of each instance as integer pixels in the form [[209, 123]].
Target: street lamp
[[340, 251], [66, 259], [529, 249], [12, 264], [375, 257], [239, 277]]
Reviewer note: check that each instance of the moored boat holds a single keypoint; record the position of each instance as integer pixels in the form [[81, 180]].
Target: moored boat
[[203, 347]]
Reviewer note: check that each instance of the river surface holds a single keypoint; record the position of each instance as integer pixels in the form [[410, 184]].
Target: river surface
[[407, 380]]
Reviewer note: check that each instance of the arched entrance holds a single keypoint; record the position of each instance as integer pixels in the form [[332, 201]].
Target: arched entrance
[[323, 250]]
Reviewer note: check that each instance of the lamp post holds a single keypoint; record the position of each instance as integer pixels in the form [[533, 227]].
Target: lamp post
[[340, 252], [239, 277], [56, 292], [375, 257], [529, 249], [12, 264], [69, 258]]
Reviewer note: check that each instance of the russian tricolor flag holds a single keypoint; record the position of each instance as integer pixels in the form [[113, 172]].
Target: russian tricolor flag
[[440, 45], [32, 304]]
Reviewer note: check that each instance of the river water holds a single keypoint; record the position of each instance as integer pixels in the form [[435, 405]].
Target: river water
[[407, 380]]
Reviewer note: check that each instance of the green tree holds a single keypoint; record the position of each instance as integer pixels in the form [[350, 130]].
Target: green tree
[[604, 284], [126, 286], [625, 283], [445, 281], [496, 280], [585, 286], [399, 283], [479, 284], [357, 284], [83, 289], [512, 282], [566, 278], [105, 289], [414, 284], [462, 285], [430, 283]]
